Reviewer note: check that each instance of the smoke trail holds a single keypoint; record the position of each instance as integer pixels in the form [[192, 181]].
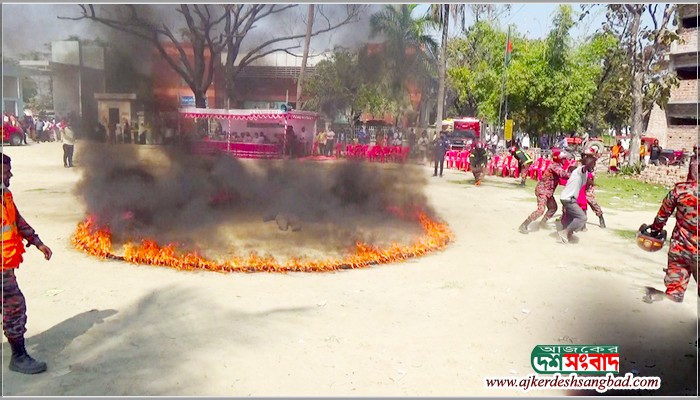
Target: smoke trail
[[218, 203]]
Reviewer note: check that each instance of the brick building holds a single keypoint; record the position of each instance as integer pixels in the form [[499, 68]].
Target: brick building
[[676, 127], [266, 83]]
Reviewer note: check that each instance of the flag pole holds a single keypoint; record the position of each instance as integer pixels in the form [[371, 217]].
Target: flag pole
[[503, 86]]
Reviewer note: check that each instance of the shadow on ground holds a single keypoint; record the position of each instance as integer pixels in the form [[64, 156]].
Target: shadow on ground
[[654, 340], [141, 350]]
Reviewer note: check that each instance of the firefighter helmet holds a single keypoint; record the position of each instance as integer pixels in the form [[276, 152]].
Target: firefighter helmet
[[649, 240], [590, 151]]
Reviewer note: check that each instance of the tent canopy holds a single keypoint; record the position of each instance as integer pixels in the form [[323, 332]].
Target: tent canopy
[[247, 115]]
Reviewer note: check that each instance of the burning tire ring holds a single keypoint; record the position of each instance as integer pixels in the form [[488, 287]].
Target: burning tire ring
[[98, 242]]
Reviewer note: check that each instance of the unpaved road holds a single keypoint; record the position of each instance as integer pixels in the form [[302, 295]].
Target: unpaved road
[[432, 326]]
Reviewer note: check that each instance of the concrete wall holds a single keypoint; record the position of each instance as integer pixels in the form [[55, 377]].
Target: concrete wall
[[66, 96], [12, 101]]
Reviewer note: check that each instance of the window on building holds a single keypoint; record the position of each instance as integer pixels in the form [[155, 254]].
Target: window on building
[[687, 73], [689, 23], [683, 121]]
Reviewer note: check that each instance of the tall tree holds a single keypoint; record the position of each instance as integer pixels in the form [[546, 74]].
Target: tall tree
[[441, 15], [242, 19], [305, 56], [407, 48], [645, 46], [208, 30], [342, 86], [201, 32], [475, 70]]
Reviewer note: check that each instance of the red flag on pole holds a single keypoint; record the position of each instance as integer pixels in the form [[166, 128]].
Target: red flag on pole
[[509, 47]]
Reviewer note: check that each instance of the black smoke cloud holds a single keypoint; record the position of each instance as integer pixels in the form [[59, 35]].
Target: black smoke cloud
[[214, 203]]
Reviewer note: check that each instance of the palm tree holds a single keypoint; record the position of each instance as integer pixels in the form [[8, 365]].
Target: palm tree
[[440, 14], [407, 47]]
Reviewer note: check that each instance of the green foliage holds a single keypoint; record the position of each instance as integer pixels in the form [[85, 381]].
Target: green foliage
[[550, 82], [632, 169], [341, 86], [612, 103], [475, 70], [408, 46]]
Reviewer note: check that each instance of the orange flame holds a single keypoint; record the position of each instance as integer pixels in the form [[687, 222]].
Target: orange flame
[[98, 242]]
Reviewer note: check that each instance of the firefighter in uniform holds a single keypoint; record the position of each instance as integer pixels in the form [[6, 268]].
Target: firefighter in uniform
[[590, 197], [683, 252], [14, 309], [524, 162], [478, 158], [545, 190]]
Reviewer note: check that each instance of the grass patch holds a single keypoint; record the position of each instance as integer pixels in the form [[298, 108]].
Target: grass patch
[[628, 194], [626, 233]]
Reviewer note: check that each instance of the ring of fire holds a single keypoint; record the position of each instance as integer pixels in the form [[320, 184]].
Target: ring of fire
[[97, 241]]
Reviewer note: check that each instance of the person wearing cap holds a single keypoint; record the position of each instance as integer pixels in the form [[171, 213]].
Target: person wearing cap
[[524, 162], [575, 216], [545, 190], [478, 158], [14, 309], [683, 250]]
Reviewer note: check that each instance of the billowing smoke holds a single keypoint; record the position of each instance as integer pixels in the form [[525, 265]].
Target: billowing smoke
[[219, 204]]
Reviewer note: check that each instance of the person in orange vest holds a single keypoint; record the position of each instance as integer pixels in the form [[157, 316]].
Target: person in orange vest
[[14, 308]]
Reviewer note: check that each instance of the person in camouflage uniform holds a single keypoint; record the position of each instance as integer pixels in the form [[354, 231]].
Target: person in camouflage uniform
[[545, 190], [592, 201], [478, 158], [14, 309], [590, 196], [683, 252]]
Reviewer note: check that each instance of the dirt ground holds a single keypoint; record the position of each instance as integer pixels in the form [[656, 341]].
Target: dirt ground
[[433, 326]]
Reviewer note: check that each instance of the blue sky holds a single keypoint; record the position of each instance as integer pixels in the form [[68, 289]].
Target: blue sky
[[534, 20]]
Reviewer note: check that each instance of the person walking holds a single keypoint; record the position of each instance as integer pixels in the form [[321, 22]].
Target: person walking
[[68, 138], [683, 250], [441, 147], [545, 190], [14, 308], [524, 162], [575, 218], [478, 158]]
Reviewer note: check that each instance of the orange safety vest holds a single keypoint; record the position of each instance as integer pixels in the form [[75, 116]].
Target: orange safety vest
[[12, 246]]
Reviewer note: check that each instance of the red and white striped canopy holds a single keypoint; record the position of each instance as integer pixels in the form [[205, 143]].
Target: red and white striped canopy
[[246, 115]]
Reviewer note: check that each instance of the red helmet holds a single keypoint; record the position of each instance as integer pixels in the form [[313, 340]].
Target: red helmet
[[512, 150], [479, 145], [591, 151], [649, 240], [561, 156]]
